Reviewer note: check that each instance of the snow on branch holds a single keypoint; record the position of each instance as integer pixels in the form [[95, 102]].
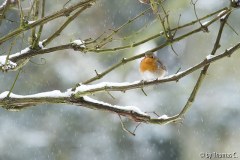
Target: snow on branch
[[19, 102], [11, 65], [79, 96], [84, 90]]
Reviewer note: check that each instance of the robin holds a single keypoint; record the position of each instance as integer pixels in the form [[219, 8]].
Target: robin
[[151, 67]]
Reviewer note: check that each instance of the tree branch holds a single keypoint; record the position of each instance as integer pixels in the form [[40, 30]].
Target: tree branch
[[62, 12], [79, 98], [106, 87]]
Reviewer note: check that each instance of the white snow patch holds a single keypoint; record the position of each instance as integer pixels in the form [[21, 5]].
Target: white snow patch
[[55, 93], [223, 16], [79, 42], [4, 3], [83, 88], [204, 23], [19, 53], [229, 48], [30, 22], [9, 65], [40, 44], [163, 117], [209, 56], [129, 108]]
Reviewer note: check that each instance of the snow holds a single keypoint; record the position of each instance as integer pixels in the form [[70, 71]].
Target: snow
[[83, 88], [55, 93], [19, 53], [210, 56], [223, 16], [40, 44], [129, 108], [204, 23], [30, 22], [4, 3], [229, 48], [79, 42], [163, 117], [221, 12], [9, 65]]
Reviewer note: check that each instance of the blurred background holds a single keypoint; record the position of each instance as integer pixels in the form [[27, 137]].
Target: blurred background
[[71, 132]]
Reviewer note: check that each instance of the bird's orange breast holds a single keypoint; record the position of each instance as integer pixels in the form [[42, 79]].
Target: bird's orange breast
[[148, 64]]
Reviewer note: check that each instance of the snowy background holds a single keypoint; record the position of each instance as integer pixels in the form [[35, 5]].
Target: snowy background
[[71, 132]]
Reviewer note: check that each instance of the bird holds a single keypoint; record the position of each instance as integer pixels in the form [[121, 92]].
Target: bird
[[151, 67]]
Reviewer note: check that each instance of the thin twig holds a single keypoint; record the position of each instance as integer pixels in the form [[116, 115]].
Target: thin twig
[[124, 126], [18, 71], [64, 25], [178, 70], [66, 3], [177, 26], [110, 95], [34, 17], [143, 92], [103, 41], [46, 19], [153, 113], [35, 43], [232, 28], [168, 24], [137, 127], [21, 13], [204, 70], [172, 78], [12, 44], [2, 17], [195, 12], [30, 10], [136, 33], [174, 50], [14, 83]]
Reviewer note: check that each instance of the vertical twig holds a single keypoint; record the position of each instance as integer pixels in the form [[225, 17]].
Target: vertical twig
[[30, 10], [18, 71], [7, 58], [4, 11], [35, 16], [70, 19], [35, 43], [204, 70], [21, 13], [195, 12], [124, 126]]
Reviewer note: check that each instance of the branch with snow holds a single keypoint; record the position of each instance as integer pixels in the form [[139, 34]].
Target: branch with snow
[[84, 90], [18, 102], [79, 96], [79, 45], [44, 20]]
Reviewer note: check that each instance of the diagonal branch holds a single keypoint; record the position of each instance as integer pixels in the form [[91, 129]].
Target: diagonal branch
[[70, 19], [205, 68], [4, 7], [79, 98], [83, 90], [62, 12], [30, 53]]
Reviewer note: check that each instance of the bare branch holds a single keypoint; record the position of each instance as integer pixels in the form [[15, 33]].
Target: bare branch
[[63, 12]]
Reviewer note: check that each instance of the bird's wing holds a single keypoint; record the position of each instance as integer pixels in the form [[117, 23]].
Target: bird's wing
[[161, 65]]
